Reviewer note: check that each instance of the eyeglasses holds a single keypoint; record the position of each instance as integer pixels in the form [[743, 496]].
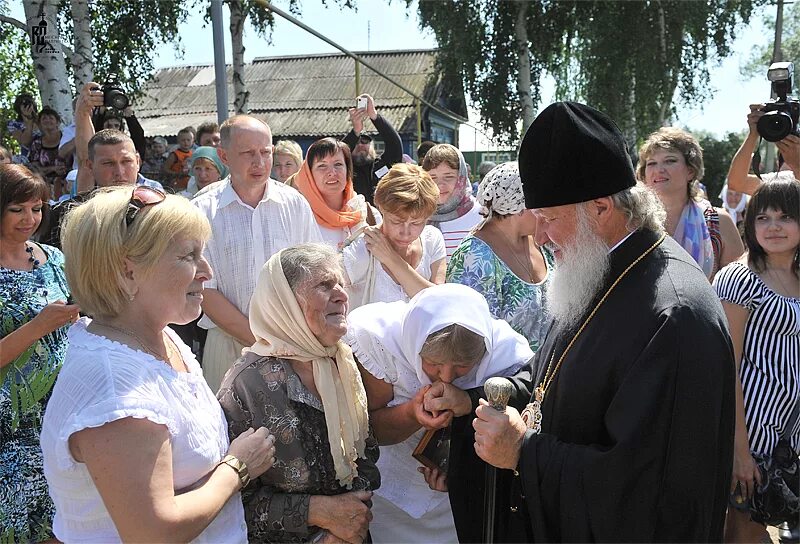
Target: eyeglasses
[[141, 197]]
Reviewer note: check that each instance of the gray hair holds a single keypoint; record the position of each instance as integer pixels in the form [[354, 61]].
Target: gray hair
[[485, 167], [302, 262], [454, 343], [642, 207]]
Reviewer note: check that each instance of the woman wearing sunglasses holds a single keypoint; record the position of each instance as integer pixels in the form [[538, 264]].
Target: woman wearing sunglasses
[[135, 444]]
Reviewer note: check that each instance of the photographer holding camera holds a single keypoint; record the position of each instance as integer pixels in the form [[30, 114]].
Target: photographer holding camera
[[105, 159], [368, 168], [25, 126], [775, 121]]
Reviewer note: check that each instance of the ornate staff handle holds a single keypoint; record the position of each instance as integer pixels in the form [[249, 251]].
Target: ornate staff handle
[[498, 391]]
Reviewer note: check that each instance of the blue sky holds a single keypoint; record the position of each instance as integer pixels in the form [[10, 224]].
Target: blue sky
[[382, 25]]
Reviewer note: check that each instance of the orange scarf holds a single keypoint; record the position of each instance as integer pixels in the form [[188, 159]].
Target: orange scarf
[[325, 215]]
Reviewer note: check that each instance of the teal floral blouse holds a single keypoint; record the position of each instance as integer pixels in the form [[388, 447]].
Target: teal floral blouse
[[519, 303], [26, 511]]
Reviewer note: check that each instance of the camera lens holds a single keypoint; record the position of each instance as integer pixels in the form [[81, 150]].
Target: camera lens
[[774, 126], [117, 100]]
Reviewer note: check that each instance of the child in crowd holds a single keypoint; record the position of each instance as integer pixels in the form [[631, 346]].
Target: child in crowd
[[176, 167], [153, 164]]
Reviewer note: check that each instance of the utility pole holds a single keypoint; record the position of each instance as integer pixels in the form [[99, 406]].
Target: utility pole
[[777, 56], [220, 70]]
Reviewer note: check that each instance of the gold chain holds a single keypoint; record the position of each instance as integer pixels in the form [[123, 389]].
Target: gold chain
[[141, 343], [548, 377], [526, 265]]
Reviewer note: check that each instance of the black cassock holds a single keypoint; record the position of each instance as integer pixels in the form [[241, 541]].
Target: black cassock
[[637, 430]]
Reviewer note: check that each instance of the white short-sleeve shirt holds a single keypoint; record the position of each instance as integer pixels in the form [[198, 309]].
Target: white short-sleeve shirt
[[102, 381], [356, 259], [243, 238]]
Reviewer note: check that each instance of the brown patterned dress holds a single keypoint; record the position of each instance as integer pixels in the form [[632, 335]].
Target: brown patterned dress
[[265, 391]]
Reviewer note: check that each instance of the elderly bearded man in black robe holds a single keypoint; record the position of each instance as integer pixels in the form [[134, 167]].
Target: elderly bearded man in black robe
[[626, 432]]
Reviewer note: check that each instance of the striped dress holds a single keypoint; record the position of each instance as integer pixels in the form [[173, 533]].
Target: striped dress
[[456, 230], [770, 369]]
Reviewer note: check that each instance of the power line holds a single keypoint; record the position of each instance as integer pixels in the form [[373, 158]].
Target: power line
[[267, 5]]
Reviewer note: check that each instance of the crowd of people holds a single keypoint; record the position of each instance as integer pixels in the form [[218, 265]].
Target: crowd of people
[[234, 340]]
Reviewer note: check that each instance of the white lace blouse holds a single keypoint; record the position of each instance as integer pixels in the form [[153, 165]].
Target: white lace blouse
[[103, 381]]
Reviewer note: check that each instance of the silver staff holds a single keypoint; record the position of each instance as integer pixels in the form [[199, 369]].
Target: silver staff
[[498, 391]]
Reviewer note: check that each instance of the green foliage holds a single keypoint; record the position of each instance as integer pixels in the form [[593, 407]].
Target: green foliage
[[126, 35], [476, 46], [761, 57], [717, 156], [625, 58], [16, 73]]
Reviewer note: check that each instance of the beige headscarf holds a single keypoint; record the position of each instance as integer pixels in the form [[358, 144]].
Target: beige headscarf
[[280, 328]]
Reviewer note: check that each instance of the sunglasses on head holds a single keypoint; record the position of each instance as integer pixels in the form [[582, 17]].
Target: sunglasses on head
[[365, 140], [142, 197]]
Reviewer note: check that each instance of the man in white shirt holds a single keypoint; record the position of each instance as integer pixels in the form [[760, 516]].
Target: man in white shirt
[[252, 217]]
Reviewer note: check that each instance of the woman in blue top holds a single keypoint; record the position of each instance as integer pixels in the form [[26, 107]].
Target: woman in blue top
[[500, 258], [34, 318]]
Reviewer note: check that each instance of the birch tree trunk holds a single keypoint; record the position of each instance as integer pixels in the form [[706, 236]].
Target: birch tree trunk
[[664, 113], [83, 58], [240, 92], [524, 61], [48, 57]]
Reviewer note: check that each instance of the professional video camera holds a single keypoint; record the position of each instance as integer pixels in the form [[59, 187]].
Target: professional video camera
[[114, 96], [781, 113]]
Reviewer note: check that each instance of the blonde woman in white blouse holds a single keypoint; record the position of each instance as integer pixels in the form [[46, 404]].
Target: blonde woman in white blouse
[[134, 442], [402, 256]]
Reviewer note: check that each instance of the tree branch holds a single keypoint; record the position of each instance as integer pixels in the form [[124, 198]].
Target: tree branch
[[16, 22]]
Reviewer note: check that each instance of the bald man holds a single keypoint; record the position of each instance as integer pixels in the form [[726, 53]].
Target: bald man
[[252, 217]]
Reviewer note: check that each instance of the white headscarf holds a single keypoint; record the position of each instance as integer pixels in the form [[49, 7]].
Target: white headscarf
[[280, 328], [739, 207], [501, 192], [403, 327]]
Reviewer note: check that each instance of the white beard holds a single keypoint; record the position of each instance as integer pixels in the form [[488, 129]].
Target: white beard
[[578, 275]]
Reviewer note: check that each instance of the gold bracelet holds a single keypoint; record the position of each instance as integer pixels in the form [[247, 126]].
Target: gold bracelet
[[239, 466]]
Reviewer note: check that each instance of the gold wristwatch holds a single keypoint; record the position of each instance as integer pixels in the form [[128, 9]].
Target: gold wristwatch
[[239, 466]]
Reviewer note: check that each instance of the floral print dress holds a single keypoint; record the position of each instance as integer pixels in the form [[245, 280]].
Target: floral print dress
[[517, 302], [26, 511], [266, 392]]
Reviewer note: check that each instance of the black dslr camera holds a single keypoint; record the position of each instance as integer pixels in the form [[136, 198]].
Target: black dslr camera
[[782, 113], [114, 96]]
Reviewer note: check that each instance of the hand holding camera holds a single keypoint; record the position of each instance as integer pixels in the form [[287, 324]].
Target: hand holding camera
[[779, 116], [28, 111], [357, 117], [368, 106], [90, 97]]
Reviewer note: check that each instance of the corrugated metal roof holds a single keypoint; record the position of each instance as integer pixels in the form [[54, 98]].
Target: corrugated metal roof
[[296, 95]]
